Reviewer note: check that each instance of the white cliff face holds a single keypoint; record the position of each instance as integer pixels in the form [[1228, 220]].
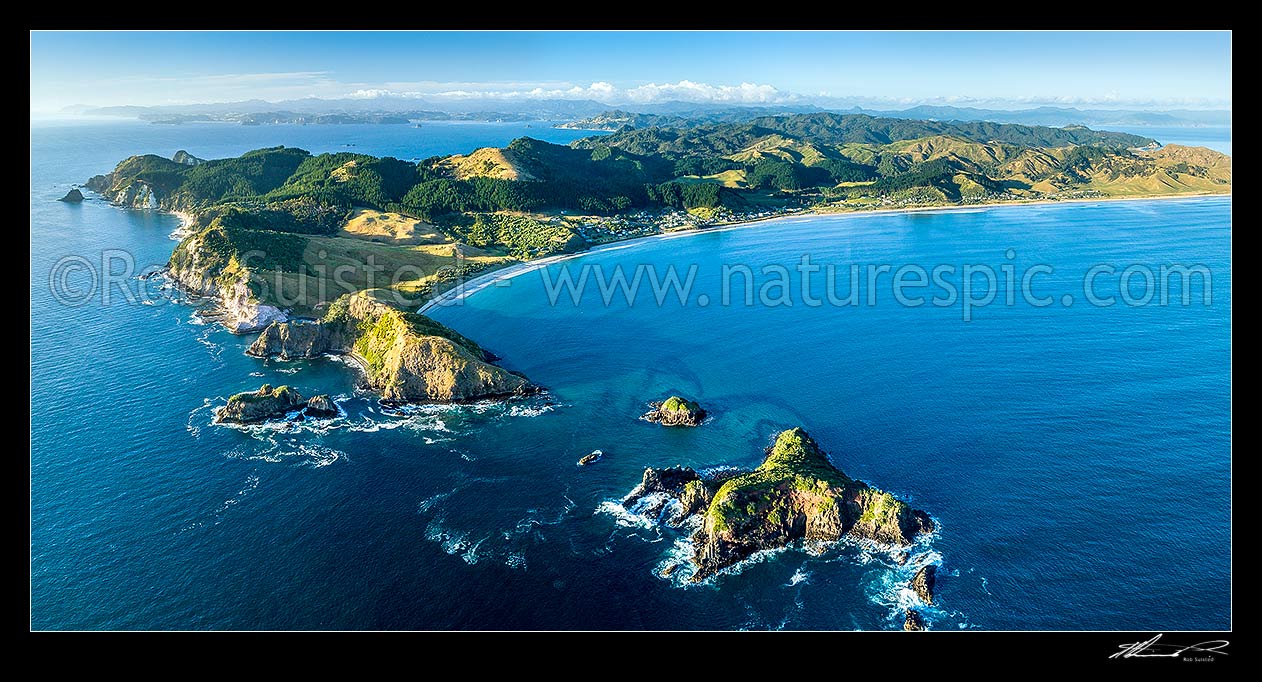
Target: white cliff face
[[192, 274], [137, 195], [242, 315]]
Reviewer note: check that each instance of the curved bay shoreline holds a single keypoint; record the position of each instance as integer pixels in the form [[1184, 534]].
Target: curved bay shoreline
[[464, 290]]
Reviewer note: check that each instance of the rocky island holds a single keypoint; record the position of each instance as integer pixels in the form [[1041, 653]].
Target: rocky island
[[74, 196], [675, 411], [795, 494], [256, 406]]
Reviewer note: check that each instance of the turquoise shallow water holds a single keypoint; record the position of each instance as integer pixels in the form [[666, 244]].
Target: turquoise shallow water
[[1077, 458]]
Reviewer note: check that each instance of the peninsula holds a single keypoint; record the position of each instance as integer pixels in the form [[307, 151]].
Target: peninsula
[[353, 243]]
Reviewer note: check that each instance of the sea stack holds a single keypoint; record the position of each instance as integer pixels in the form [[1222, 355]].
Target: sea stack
[[321, 406], [675, 411], [923, 583]]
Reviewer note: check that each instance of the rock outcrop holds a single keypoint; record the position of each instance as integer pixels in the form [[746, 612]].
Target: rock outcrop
[[321, 406], [675, 411], [912, 621], [405, 356], [184, 158], [591, 458], [671, 481], [924, 581], [659, 485], [263, 404], [74, 196], [795, 494], [299, 340], [124, 185]]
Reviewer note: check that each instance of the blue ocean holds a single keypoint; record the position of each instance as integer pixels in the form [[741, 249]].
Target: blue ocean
[[1217, 138], [1076, 456]]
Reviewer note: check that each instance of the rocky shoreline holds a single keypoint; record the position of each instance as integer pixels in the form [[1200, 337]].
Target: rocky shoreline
[[405, 357], [268, 403]]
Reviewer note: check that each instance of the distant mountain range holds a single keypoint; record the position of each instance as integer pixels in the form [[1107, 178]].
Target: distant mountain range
[[481, 108], [616, 119], [1062, 116], [593, 115]]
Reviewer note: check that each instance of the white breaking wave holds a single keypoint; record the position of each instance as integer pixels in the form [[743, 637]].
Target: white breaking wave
[[471, 555], [888, 584], [213, 349], [799, 576], [515, 560], [452, 542], [528, 410], [429, 502], [677, 566], [314, 455], [623, 517]]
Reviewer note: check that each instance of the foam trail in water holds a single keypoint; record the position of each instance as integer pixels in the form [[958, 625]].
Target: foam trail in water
[[250, 485]]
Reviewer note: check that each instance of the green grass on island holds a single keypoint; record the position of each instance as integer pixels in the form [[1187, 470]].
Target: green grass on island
[[677, 404], [794, 464]]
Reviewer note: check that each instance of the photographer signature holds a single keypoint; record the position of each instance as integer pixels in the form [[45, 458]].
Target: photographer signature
[[1153, 648]]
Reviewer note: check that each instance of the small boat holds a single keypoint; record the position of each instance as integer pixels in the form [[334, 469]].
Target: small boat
[[588, 459]]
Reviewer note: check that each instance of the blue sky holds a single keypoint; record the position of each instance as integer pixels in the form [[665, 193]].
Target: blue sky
[[1005, 69]]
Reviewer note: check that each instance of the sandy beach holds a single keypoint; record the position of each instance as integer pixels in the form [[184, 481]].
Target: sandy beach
[[186, 223], [465, 289]]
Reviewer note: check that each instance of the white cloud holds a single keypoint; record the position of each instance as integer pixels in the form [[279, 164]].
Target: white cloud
[[376, 93], [602, 91], [689, 91], [279, 86]]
